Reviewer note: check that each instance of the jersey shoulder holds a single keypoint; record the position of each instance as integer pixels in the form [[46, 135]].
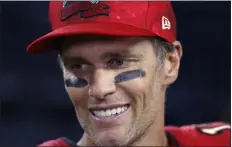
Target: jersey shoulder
[[208, 134]]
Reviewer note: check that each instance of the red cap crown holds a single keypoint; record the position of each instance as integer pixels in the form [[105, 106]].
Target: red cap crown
[[107, 18]]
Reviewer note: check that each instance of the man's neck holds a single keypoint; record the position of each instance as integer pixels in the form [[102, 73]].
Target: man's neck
[[154, 136], [154, 139]]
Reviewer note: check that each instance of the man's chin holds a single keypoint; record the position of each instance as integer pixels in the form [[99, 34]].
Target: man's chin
[[112, 137], [111, 131]]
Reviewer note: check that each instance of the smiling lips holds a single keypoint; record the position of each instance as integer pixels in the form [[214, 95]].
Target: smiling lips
[[112, 112]]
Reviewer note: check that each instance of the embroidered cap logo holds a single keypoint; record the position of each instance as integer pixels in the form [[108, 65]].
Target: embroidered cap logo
[[84, 9], [166, 24]]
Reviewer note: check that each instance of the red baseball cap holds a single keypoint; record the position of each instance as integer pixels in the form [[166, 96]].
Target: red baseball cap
[[114, 18]]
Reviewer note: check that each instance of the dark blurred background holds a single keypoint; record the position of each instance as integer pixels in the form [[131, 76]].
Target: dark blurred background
[[35, 107]]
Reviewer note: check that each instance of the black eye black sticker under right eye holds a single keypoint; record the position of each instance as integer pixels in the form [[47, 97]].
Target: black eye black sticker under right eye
[[129, 75], [76, 82]]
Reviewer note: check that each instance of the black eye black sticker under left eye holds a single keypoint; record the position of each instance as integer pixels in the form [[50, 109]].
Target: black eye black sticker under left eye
[[76, 82], [129, 75]]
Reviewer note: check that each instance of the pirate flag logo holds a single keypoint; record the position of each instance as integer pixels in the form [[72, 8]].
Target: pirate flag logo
[[85, 9]]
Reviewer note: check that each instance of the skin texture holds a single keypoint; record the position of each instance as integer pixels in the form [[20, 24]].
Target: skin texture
[[99, 62]]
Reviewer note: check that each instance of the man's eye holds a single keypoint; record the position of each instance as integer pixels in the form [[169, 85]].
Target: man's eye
[[80, 67], [115, 63]]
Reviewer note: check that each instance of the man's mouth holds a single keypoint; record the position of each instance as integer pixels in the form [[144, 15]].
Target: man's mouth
[[112, 112]]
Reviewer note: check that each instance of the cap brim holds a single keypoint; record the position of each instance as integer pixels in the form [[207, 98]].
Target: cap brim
[[48, 42]]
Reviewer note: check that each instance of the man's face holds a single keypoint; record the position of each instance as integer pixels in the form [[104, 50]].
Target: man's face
[[112, 112]]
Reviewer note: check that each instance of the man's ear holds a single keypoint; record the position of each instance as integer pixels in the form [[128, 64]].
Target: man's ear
[[172, 64]]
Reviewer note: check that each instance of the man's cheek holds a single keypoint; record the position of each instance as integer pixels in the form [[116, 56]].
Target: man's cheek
[[77, 96], [132, 81], [129, 75], [136, 85], [76, 82]]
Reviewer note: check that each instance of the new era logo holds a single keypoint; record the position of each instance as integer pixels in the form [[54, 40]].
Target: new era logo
[[166, 24]]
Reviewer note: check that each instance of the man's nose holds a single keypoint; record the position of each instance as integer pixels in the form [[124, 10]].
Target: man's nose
[[102, 84]]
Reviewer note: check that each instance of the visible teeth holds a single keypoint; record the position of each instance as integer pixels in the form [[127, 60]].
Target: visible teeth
[[119, 110], [102, 113], [110, 112], [123, 108], [114, 111]]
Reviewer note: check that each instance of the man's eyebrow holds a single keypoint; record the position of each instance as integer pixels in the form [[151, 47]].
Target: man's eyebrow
[[74, 60], [107, 55]]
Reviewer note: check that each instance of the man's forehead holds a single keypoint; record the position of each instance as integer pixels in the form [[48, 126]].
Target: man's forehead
[[87, 38], [107, 45]]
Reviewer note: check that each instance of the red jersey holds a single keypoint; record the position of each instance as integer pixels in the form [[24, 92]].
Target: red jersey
[[211, 134]]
